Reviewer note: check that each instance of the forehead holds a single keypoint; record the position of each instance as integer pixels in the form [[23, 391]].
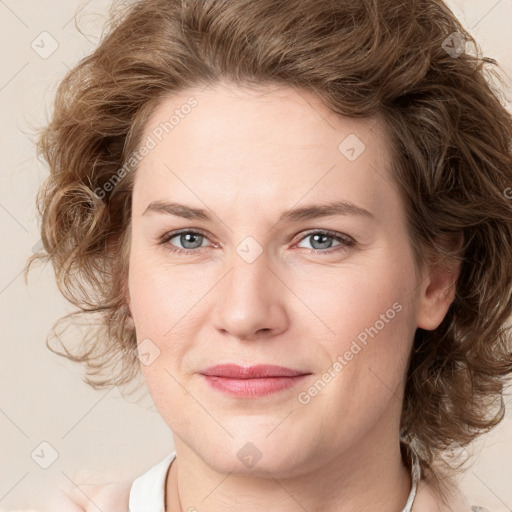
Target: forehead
[[227, 116], [272, 143]]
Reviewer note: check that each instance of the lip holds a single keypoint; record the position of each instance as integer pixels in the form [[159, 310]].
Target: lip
[[252, 381], [234, 371]]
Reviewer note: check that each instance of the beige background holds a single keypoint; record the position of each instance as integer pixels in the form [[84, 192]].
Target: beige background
[[42, 395]]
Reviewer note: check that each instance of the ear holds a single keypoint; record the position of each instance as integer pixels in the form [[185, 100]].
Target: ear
[[437, 291]]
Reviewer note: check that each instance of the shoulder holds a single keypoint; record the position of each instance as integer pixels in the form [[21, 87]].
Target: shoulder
[[107, 497], [428, 499], [86, 495], [93, 491]]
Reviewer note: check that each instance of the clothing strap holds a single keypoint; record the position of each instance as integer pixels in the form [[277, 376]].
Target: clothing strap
[[415, 477]]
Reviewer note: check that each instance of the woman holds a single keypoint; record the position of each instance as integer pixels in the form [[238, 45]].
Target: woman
[[293, 218]]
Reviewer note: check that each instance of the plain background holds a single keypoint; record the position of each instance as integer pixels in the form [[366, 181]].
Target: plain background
[[43, 398]]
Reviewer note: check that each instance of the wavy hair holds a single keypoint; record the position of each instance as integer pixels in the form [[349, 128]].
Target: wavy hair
[[411, 63]]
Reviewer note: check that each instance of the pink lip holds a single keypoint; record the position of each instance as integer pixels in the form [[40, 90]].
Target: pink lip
[[253, 381]]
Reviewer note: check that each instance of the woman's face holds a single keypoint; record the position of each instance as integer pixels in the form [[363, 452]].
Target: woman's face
[[259, 282]]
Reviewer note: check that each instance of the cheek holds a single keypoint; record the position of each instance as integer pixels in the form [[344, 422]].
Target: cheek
[[370, 312], [357, 299], [162, 295], [166, 307], [160, 300]]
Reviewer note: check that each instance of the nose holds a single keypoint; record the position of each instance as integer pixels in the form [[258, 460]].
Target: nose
[[250, 301]]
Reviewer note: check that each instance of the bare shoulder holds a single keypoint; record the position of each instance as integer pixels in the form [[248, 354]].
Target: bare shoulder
[[107, 497], [87, 494]]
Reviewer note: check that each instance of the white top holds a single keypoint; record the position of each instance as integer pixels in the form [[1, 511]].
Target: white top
[[147, 493]]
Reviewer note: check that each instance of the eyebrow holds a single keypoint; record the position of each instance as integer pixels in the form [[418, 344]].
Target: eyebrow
[[294, 215]]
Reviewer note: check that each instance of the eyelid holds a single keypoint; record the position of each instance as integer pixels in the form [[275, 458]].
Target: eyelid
[[345, 240], [171, 234]]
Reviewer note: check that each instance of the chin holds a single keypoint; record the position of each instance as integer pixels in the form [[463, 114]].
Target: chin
[[279, 455]]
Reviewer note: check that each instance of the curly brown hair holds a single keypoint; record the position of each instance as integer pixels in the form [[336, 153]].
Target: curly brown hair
[[410, 63]]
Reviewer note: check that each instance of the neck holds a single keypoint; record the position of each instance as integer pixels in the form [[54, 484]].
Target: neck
[[369, 476]]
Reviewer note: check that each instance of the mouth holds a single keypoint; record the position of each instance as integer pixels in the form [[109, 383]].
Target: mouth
[[252, 381]]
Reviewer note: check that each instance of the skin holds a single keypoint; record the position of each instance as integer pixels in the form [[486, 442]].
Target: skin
[[245, 156]]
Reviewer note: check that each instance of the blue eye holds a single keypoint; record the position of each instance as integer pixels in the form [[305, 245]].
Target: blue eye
[[186, 238], [192, 240], [324, 240]]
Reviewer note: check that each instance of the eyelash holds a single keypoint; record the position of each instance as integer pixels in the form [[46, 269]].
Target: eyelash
[[345, 241]]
